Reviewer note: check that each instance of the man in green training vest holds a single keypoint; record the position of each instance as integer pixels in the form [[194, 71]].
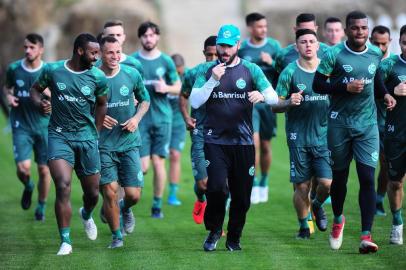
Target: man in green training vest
[[120, 140], [79, 104], [29, 125]]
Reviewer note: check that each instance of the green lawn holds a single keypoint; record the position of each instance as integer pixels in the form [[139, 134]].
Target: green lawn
[[176, 241]]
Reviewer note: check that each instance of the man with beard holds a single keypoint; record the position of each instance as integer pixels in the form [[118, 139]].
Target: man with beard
[[78, 108], [228, 90], [348, 73], [29, 125], [261, 50], [160, 79]]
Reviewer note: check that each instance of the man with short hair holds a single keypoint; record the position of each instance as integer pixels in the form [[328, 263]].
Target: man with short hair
[[333, 31], [261, 50], [160, 79], [120, 139], [348, 73], [306, 131], [29, 125], [229, 88], [78, 108], [194, 123]]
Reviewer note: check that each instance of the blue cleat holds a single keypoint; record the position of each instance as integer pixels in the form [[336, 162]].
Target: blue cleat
[[172, 200], [210, 243], [156, 213]]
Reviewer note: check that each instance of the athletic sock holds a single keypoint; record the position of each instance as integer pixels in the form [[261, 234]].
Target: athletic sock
[[199, 194], [264, 180], [85, 214], [338, 219], [309, 216], [29, 185], [397, 217], [65, 235], [123, 206], [173, 189], [363, 233], [40, 206], [317, 203], [380, 198], [117, 234], [303, 223], [256, 182], [157, 202]]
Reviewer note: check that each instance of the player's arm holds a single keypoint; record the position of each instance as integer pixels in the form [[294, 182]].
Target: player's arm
[[265, 92], [8, 89], [400, 89], [184, 104], [39, 92], [380, 90], [100, 111], [286, 99]]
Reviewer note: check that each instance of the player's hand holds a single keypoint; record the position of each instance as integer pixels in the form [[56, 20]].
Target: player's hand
[[390, 102], [131, 124], [255, 97], [355, 87], [400, 89], [109, 122], [45, 106], [266, 58], [296, 98], [161, 86], [12, 100], [190, 123], [218, 71]]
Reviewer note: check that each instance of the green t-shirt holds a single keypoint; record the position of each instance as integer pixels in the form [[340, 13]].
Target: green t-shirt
[[73, 98], [26, 115], [160, 67], [252, 53], [306, 124], [393, 71], [124, 86], [343, 65]]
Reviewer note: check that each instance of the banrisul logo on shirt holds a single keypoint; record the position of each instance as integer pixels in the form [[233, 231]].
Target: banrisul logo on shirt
[[347, 68], [20, 83], [86, 90], [372, 68], [301, 86], [124, 90], [160, 72], [61, 86], [240, 83], [402, 78]]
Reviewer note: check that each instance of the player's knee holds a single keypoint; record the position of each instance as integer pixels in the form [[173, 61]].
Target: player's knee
[[110, 193], [395, 185], [43, 172], [202, 185], [174, 155], [23, 170], [302, 189], [134, 197]]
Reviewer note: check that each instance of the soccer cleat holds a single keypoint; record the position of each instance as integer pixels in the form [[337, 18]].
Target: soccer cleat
[[89, 225], [102, 216], [26, 198], [303, 234], [380, 211], [396, 235], [198, 211], [156, 213], [65, 249], [233, 245], [336, 235], [39, 215], [255, 195], [367, 245], [173, 200], [263, 194], [311, 226], [128, 221], [321, 218], [210, 243], [116, 243]]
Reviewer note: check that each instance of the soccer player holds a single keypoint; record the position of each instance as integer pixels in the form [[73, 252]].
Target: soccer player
[[306, 131], [160, 79], [333, 31], [393, 70], [261, 50], [348, 73], [78, 108], [120, 139], [194, 123], [229, 88], [178, 136], [29, 125], [380, 37]]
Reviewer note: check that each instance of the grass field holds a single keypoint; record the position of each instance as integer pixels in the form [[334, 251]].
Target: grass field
[[175, 242]]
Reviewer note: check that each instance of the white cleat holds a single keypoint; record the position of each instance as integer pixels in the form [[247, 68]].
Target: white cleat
[[336, 236], [263, 194], [255, 195], [90, 226], [65, 249], [396, 235]]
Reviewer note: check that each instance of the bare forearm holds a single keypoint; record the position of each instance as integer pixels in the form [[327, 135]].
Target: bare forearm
[[100, 112], [142, 110], [175, 88], [183, 107], [282, 106]]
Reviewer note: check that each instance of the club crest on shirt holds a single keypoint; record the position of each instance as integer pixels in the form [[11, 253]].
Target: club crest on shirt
[[372, 68], [85, 90], [240, 83], [226, 34], [301, 86], [124, 90], [20, 83], [347, 68], [375, 156], [251, 171], [402, 78], [61, 86], [160, 72]]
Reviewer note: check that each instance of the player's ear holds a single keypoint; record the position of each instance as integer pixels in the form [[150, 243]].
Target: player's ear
[[80, 51]]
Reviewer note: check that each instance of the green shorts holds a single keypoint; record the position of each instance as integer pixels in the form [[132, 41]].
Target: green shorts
[[267, 122], [83, 156], [197, 155], [255, 120], [395, 154], [155, 139], [178, 136], [362, 143], [306, 162], [24, 142], [124, 167]]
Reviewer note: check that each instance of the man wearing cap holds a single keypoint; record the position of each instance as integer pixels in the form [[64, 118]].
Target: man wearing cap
[[229, 88]]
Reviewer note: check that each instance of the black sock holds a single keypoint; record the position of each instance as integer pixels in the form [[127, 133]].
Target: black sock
[[366, 195], [338, 190]]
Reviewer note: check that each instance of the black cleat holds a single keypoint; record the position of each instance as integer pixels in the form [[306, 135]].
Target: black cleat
[[321, 218], [39, 215], [26, 199], [210, 243], [303, 234], [233, 245]]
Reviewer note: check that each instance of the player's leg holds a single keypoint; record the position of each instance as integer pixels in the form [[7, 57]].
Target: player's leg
[[177, 143], [256, 128], [44, 181], [383, 180], [301, 202]]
